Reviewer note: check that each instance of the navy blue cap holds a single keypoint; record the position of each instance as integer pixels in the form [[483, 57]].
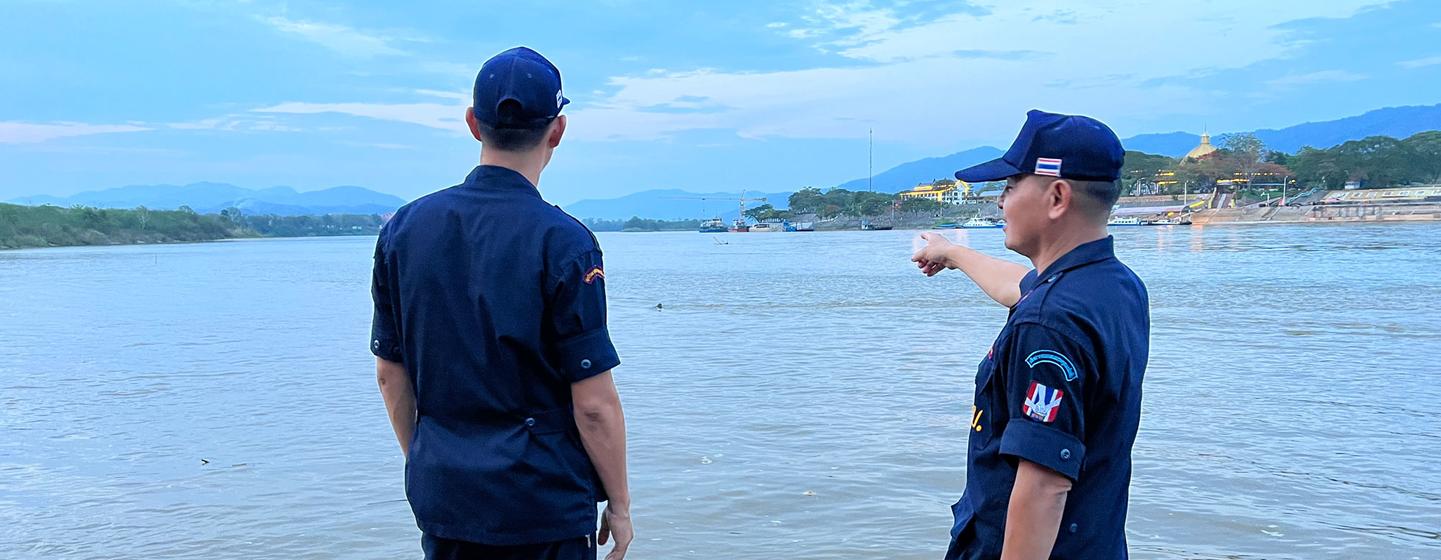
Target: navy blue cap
[[1066, 146], [525, 77]]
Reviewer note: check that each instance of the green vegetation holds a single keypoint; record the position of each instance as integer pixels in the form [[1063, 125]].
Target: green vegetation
[[921, 205], [1141, 167], [47, 226], [52, 226], [767, 212], [1376, 161], [1243, 163], [837, 202], [312, 226], [641, 224]]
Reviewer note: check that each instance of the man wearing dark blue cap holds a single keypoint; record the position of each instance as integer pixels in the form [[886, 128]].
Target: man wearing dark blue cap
[[1058, 396], [491, 346]]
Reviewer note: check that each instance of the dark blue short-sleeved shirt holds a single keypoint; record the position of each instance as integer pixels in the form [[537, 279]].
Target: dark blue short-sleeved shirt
[[1061, 388], [494, 301]]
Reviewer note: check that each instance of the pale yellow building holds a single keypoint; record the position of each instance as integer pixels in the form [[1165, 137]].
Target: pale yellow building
[[945, 193]]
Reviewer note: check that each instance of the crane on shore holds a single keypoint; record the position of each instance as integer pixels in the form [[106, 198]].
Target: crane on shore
[[716, 225]]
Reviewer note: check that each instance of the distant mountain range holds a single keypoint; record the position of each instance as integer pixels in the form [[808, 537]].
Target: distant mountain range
[[1396, 122], [674, 204], [910, 174], [208, 198]]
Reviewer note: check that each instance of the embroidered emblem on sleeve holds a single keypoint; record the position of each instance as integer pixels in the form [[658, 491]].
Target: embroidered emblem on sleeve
[[1056, 359], [595, 274], [1042, 402]]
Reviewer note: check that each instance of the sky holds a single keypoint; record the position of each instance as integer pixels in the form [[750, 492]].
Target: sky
[[703, 96]]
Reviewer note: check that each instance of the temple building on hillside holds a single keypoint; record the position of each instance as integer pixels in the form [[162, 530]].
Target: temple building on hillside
[[1204, 149], [947, 192]]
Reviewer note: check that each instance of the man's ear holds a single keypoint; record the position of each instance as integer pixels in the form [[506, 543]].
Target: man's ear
[[557, 130], [472, 123], [1059, 197]]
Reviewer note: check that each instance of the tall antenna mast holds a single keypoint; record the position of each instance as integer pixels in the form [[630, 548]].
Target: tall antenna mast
[[870, 158]]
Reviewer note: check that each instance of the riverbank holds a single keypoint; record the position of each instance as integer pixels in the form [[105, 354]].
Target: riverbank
[[1336, 214], [29, 227], [901, 220]]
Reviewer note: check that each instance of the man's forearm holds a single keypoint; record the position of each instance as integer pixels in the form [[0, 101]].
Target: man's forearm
[[1038, 501], [399, 395], [998, 278], [601, 422]]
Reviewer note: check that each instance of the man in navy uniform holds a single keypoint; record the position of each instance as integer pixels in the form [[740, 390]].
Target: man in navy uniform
[[492, 351], [1058, 396]]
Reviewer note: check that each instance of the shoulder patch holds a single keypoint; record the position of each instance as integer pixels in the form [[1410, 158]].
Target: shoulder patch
[[1056, 359], [1042, 402], [595, 273]]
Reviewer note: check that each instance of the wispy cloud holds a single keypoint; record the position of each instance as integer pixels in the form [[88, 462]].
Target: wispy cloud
[[339, 38], [33, 133], [1322, 77], [940, 75], [1420, 62], [842, 25], [431, 115], [453, 95], [235, 123]]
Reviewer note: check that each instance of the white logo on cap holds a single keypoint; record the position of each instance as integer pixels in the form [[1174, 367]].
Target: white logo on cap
[[557, 99]]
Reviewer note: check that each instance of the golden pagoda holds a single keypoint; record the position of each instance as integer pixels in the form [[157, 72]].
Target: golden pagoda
[[1202, 150]]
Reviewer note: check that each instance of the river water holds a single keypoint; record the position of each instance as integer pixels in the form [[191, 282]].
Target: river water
[[799, 396]]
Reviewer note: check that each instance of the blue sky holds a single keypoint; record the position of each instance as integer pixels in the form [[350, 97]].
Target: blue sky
[[701, 96]]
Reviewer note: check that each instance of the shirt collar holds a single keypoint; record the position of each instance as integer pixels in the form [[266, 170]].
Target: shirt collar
[[500, 178], [1083, 254]]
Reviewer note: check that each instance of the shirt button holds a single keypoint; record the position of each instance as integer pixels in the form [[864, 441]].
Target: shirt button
[[585, 364], [530, 422], [1074, 528], [1065, 454]]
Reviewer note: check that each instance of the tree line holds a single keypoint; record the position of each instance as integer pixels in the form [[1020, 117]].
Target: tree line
[[1243, 159], [641, 224], [53, 226], [841, 202]]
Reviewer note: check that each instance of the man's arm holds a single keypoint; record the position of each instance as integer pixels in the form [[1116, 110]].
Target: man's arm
[[399, 397], [1033, 518], [601, 421], [998, 278]]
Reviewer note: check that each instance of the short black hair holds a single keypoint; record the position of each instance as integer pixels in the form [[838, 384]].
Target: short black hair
[[512, 138], [1103, 193]]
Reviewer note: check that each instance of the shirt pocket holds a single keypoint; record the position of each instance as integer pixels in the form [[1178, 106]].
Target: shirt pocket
[[983, 411]]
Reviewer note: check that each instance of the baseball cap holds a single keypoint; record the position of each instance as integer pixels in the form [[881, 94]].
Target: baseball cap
[[1066, 146], [525, 77]]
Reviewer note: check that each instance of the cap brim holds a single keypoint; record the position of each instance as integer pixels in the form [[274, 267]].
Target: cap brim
[[993, 170]]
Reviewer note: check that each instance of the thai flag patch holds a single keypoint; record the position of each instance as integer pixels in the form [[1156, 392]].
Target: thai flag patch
[[1042, 402], [1048, 166]]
